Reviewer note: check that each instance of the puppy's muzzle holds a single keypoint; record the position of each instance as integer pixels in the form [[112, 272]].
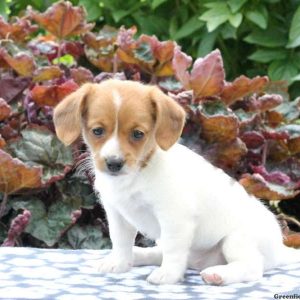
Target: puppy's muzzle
[[114, 164]]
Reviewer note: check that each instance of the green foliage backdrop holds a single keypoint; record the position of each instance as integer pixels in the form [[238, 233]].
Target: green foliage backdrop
[[256, 37]]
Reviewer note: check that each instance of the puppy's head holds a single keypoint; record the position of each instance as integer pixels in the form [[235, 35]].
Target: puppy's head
[[122, 123]]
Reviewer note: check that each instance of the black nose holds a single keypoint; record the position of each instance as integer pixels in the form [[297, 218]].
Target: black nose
[[114, 164]]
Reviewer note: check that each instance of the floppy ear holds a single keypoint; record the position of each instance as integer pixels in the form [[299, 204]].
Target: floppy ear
[[67, 115], [170, 119]]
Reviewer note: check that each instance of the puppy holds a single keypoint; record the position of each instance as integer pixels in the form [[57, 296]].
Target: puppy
[[147, 182]]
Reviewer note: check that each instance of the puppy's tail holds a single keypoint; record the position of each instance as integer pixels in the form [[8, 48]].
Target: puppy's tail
[[288, 255]]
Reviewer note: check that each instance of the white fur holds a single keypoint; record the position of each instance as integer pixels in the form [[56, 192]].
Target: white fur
[[204, 220], [112, 146], [117, 100]]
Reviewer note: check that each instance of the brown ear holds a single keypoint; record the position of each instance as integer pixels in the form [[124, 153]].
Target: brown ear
[[170, 119], [67, 115]]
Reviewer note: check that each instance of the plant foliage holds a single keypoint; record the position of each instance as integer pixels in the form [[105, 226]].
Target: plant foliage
[[246, 126]]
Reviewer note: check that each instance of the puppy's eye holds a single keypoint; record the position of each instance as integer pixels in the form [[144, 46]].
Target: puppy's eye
[[137, 135], [99, 131]]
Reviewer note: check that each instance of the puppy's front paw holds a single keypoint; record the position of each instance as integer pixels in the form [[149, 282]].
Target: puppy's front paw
[[163, 276], [110, 264]]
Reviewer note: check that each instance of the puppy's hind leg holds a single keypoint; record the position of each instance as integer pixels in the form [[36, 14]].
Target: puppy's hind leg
[[245, 262], [150, 256]]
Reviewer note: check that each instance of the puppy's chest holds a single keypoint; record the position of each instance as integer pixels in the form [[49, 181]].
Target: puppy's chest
[[135, 206]]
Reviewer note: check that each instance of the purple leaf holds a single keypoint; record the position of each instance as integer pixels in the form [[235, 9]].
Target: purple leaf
[[276, 177]]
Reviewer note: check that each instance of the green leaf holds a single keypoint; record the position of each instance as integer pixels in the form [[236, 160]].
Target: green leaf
[[214, 4], [244, 116], [296, 78], [207, 43], [235, 5], [292, 129], [153, 24], [258, 16], [289, 109], [94, 11], [40, 147], [66, 60], [294, 33], [77, 192], [228, 32], [268, 55], [173, 27], [157, 3], [211, 108], [4, 9], [236, 20], [119, 14], [218, 14], [188, 28], [282, 70], [144, 53], [46, 225], [272, 37], [87, 237], [170, 84]]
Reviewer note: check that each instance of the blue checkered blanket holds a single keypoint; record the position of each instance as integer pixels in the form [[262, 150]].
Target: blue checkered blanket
[[27, 273]]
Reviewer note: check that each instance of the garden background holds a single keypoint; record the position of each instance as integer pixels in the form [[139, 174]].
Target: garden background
[[246, 122]]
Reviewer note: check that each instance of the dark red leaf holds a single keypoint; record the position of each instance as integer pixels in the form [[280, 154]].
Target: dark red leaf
[[274, 118], [275, 135], [269, 101], [20, 176], [62, 19], [276, 177], [81, 75], [8, 132], [5, 109], [294, 145], [47, 73], [17, 226], [125, 39], [181, 62], [252, 139], [255, 184], [162, 51], [241, 87], [106, 37], [75, 49], [18, 31], [23, 63], [218, 123], [52, 94], [2, 142], [207, 76], [226, 155]]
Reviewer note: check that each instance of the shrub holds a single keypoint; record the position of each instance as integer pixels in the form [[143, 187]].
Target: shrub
[[255, 37], [248, 127]]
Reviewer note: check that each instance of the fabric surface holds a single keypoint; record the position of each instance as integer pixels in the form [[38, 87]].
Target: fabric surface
[[27, 273]]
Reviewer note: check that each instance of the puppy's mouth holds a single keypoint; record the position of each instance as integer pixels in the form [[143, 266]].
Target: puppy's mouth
[[116, 174]]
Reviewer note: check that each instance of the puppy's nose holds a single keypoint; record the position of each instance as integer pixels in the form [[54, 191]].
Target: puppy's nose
[[114, 164]]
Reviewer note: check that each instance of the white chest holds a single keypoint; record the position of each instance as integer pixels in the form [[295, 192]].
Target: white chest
[[133, 203]]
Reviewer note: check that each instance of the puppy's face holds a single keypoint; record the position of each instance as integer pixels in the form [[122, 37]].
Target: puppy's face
[[119, 127], [122, 122]]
